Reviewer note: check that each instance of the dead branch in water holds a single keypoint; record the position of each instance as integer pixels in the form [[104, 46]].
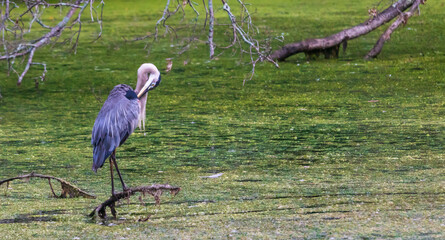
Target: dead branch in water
[[329, 46], [154, 190], [68, 189]]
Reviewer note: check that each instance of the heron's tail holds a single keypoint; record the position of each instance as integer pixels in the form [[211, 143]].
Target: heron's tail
[[99, 157]]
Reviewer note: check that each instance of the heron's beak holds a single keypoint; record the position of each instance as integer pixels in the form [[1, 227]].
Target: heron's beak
[[149, 85]]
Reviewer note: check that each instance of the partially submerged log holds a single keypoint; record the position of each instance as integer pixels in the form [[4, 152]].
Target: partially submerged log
[[68, 189], [329, 45], [154, 190]]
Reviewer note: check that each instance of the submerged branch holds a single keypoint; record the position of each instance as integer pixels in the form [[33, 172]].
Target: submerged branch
[[154, 190], [67, 187]]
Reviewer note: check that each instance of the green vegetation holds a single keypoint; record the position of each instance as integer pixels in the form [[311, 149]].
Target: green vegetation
[[330, 148]]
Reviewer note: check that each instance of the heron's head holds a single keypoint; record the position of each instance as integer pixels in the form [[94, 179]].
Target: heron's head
[[149, 76]]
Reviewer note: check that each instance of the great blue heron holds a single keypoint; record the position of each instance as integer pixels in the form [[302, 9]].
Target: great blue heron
[[123, 110]]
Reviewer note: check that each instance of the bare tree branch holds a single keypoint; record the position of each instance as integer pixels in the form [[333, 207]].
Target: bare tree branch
[[31, 48], [243, 32], [162, 20], [257, 52], [211, 26], [17, 45], [191, 5]]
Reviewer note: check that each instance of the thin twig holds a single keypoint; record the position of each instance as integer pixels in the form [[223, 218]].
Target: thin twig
[[31, 55]]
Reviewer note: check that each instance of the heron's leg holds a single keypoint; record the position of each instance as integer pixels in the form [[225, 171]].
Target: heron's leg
[[111, 172], [118, 172]]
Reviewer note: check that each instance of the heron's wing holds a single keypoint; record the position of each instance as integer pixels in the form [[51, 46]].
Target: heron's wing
[[115, 122]]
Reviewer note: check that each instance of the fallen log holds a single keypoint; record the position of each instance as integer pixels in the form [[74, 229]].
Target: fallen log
[[154, 190], [329, 46], [68, 189]]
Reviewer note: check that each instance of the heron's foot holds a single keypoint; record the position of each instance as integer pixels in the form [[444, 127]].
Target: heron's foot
[[125, 188]]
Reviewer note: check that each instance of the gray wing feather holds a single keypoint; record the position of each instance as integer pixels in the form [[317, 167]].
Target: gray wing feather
[[115, 122]]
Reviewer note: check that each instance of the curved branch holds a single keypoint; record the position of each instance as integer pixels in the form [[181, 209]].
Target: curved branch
[[154, 190], [67, 187], [336, 39]]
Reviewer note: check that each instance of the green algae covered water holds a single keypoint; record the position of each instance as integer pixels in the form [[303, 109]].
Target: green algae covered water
[[341, 148]]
